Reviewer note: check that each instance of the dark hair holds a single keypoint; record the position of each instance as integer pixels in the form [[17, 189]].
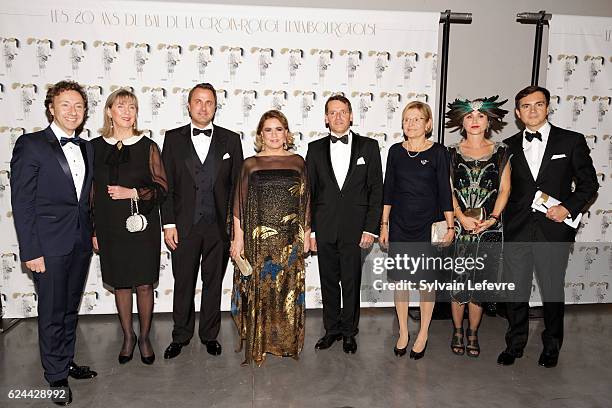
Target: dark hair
[[528, 91], [58, 88], [203, 85], [340, 98], [278, 115]]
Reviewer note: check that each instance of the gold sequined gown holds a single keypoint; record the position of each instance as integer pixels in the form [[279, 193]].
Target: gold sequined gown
[[272, 202]]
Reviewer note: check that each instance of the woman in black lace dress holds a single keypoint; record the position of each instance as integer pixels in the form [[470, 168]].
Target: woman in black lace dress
[[128, 171]]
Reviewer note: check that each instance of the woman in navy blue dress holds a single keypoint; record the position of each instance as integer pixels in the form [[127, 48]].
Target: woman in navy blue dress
[[416, 193]]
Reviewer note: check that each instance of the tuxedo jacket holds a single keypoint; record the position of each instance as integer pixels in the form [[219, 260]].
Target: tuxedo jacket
[[572, 163], [345, 213], [49, 219], [180, 161]]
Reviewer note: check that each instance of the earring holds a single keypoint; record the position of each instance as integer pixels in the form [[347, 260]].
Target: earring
[[285, 146], [112, 125]]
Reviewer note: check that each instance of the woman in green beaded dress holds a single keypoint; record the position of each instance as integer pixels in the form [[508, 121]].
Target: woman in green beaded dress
[[271, 226], [480, 175]]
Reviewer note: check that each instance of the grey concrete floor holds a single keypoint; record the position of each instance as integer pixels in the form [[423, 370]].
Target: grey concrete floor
[[373, 377]]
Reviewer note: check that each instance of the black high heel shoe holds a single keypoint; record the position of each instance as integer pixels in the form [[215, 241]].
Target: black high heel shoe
[[125, 359], [148, 360], [399, 352], [417, 356]]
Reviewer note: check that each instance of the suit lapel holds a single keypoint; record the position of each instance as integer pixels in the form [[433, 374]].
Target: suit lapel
[[520, 161], [87, 158], [217, 147], [192, 161], [59, 155], [329, 162], [353, 158], [548, 152]]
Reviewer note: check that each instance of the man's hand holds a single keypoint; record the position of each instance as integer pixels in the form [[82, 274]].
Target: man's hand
[[366, 240], [313, 244], [557, 213], [36, 265], [171, 238], [94, 242]]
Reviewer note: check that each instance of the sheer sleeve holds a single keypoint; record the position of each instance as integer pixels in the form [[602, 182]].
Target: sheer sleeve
[[157, 189], [305, 199], [241, 189]]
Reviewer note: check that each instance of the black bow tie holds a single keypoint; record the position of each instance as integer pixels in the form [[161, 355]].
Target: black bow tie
[[76, 140], [207, 132], [530, 136], [343, 139]]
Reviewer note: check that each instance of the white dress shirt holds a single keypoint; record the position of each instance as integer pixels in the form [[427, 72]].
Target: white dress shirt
[[74, 157], [201, 142], [340, 155], [534, 150]]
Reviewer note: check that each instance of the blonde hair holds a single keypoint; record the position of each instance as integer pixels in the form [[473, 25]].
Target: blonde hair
[[425, 111], [273, 114], [121, 93]]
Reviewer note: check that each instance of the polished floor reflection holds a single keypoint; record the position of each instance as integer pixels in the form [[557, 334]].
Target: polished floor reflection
[[373, 377]]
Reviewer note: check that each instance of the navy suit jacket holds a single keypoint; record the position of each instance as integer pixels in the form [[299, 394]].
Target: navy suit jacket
[[49, 219]]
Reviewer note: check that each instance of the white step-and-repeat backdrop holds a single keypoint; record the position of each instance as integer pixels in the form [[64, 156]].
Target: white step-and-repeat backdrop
[[579, 78], [258, 58]]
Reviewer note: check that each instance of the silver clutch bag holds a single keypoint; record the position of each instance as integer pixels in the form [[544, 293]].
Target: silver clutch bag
[[438, 230], [135, 222]]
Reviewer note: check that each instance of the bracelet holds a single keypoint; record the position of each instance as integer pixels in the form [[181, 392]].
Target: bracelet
[[450, 228], [495, 217], [384, 223]]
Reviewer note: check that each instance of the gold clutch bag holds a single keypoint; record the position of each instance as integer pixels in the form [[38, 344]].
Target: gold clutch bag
[[244, 266], [476, 213]]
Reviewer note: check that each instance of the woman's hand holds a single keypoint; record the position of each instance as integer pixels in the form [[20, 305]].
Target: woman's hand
[[485, 225], [121, 193], [469, 224], [448, 238], [237, 247], [383, 238]]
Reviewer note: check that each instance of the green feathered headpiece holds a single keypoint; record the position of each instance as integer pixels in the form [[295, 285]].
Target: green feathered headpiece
[[458, 109]]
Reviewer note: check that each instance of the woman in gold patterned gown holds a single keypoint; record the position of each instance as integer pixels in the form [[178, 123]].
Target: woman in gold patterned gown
[[271, 219]]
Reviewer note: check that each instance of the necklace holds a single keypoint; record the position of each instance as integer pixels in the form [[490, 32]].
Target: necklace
[[418, 151]]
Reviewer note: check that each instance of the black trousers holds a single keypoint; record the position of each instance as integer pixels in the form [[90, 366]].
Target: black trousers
[[340, 264], [59, 290], [203, 249], [549, 261]]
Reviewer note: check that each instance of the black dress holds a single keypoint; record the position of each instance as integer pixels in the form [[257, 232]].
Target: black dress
[[417, 187], [128, 259], [476, 183]]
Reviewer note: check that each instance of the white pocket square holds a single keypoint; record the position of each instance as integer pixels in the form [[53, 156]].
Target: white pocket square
[[360, 161], [226, 156], [558, 156]]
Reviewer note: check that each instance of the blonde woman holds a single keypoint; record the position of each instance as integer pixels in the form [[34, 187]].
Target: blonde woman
[[128, 167]]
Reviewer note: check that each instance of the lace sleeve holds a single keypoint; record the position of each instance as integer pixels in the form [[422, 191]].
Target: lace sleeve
[[305, 207], [155, 192]]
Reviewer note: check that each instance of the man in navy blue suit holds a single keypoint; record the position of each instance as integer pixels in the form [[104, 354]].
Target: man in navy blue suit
[[51, 173]]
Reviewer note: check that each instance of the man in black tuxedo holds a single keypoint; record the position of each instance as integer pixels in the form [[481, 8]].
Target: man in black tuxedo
[[546, 158], [202, 162], [51, 173], [345, 176]]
